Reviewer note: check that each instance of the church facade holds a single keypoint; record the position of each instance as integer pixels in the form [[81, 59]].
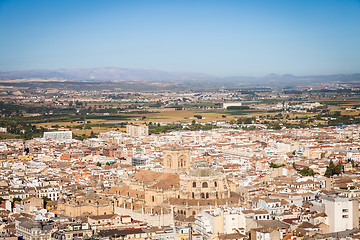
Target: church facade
[[180, 191]]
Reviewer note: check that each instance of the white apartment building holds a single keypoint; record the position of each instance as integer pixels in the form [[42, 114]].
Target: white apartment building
[[58, 136], [343, 213], [210, 223], [137, 130], [227, 221], [53, 193]]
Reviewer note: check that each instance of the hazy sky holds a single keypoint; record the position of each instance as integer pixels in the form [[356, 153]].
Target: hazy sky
[[222, 37]]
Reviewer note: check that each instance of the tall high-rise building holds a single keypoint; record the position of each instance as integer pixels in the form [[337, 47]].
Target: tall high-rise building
[[137, 130]]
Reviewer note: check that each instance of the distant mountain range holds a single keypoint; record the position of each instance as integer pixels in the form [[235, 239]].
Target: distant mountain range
[[184, 79], [105, 74]]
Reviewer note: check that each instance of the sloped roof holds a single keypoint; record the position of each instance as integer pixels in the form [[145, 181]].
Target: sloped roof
[[272, 224]]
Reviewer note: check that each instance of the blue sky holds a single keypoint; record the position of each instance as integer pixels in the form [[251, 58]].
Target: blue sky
[[222, 38]]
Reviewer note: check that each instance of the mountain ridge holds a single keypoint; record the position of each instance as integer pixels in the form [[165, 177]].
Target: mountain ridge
[[116, 74], [103, 74]]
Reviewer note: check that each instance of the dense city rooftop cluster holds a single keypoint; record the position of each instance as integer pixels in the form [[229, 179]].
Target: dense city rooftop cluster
[[219, 184]]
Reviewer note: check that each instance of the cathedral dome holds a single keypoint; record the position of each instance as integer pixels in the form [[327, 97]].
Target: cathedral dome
[[203, 172]]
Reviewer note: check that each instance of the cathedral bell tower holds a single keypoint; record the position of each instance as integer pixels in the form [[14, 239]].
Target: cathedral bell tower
[[176, 161]]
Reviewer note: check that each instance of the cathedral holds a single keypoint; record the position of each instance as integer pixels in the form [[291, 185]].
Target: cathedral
[[180, 191]]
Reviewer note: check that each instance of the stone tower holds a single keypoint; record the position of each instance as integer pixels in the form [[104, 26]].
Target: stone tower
[[177, 161]]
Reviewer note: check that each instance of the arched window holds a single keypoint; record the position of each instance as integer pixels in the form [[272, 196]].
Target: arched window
[[205, 185], [215, 184], [153, 198], [202, 195], [194, 184], [169, 160], [207, 195], [193, 195], [182, 161]]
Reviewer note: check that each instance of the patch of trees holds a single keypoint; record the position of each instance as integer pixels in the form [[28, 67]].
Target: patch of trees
[[25, 130], [306, 171], [293, 91], [274, 125], [238, 107], [333, 169], [246, 120], [274, 165]]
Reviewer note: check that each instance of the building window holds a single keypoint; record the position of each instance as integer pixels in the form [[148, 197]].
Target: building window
[[202, 195], [345, 216], [193, 195], [207, 195], [153, 198], [194, 184], [169, 161], [215, 184], [345, 210], [205, 185]]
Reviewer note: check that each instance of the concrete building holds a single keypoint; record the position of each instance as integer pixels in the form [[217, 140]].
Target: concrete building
[[75, 230], [35, 230], [31, 204], [264, 234], [137, 130], [135, 161], [343, 213], [210, 223], [58, 136]]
